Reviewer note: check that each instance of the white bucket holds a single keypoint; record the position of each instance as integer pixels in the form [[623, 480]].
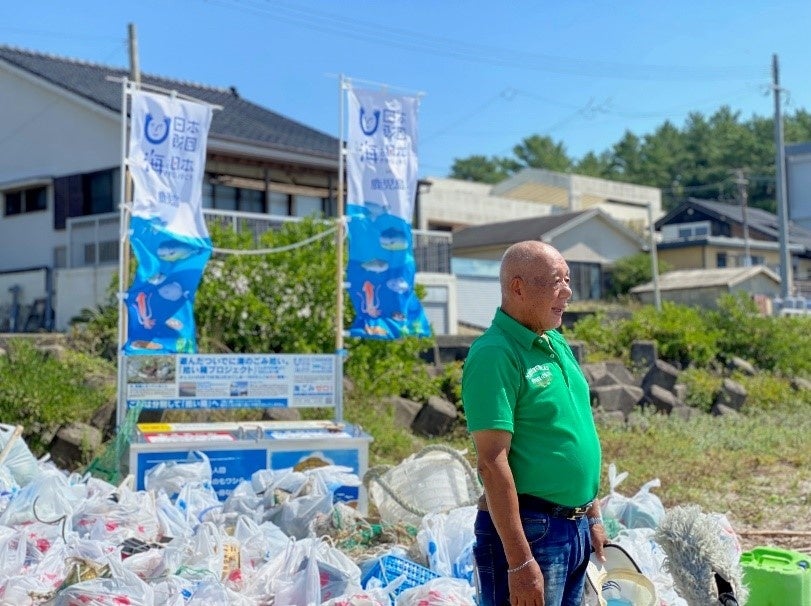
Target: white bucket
[[18, 459]]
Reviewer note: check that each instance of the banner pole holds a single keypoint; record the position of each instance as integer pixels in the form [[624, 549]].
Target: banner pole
[[339, 259], [123, 257]]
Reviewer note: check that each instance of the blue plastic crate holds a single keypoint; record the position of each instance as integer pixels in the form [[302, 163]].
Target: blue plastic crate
[[389, 567]]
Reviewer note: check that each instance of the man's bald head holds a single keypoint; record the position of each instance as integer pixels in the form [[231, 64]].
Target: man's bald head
[[523, 259], [535, 286]]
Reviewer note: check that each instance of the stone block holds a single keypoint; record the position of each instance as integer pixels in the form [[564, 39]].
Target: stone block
[[405, 410], [732, 395], [661, 374], [610, 398], [643, 355], [74, 444], [661, 399], [680, 391], [683, 412], [797, 384], [436, 417], [621, 372], [579, 351], [719, 410], [281, 414], [104, 419], [614, 418], [742, 366]]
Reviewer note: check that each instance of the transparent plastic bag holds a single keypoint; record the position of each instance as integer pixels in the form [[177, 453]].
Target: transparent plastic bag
[[443, 591], [171, 476], [643, 510], [446, 540]]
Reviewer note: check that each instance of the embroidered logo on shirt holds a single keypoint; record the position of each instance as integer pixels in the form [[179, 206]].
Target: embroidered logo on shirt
[[539, 375]]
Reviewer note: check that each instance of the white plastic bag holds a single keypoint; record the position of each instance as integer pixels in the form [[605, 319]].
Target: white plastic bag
[[442, 591], [643, 510], [171, 476], [446, 540]]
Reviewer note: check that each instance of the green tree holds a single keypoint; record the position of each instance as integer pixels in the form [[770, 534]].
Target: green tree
[[631, 271], [538, 151], [483, 169]]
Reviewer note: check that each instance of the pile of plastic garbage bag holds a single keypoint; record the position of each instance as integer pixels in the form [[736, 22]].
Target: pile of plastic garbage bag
[[67, 539]]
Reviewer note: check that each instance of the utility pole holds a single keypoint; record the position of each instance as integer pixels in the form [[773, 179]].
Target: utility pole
[[135, 68], [743, 193], [780, 176]]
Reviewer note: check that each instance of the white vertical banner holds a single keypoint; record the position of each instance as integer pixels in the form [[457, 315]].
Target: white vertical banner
[[167, 158], [382, 155], [382, 177]]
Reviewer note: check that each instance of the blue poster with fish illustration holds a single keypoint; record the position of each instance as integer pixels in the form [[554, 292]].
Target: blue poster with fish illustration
[[168, 234], [382, 182]]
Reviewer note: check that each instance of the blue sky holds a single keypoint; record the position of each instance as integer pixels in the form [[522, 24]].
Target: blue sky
[[582, 72]]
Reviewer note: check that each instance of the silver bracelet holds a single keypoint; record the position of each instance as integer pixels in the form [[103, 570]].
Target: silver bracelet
[[520, 566], [595, 521]]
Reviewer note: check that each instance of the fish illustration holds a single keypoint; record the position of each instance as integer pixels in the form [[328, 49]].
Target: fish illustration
[[172, 291], [398, 317], [393, 239], [175, 251], [369, 302], [174, 324], [146, 345], [375, 265], [375, 210], [398, 285], [375, 330], [144, 311], [156, 279]]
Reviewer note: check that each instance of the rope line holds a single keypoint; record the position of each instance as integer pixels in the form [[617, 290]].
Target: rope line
[[270, 251]]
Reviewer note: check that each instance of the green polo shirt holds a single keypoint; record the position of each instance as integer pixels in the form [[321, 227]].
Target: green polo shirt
[[517, 381]]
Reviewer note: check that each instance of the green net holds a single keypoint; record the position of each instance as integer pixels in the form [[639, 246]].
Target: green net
[[107, 465]]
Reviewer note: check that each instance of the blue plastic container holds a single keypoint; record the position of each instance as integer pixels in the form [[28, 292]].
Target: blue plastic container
[[389, 567]]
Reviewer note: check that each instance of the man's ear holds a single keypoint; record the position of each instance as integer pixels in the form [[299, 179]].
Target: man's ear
[[517, 286]]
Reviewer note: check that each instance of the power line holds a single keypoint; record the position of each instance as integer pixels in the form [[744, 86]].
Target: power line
[[340, 25]]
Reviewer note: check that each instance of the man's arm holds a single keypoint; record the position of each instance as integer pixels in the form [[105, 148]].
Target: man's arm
[[493, 446]]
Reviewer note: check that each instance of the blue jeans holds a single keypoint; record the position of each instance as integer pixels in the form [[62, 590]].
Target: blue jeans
[[561, 547]]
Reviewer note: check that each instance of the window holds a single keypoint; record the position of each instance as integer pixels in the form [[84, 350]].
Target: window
[[308, 205], [28, 200], [227, 197], [721, 259], [586, 281], [279, 204], [100, 191]]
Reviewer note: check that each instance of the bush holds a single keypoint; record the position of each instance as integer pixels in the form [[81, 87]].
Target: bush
[[43, 393]]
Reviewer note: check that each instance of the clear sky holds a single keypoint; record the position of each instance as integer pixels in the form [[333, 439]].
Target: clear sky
[[491, 72]]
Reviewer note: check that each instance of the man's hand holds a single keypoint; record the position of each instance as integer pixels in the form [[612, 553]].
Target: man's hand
[[599, 539], [526, 586]]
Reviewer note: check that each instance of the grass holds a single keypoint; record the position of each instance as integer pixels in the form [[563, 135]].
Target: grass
[[753, 467]]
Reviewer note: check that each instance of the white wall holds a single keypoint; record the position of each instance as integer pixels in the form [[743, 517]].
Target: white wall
[[440, 302], [457, 202], [478, 297], [45, 134], [600, 237], [79, 288]]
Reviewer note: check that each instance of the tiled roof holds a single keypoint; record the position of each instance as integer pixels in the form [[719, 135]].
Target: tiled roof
[[686, 279], [509, 232], [756, 218], [239, 120]]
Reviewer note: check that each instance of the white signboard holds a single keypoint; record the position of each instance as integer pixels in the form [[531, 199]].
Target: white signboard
[[194, 381]]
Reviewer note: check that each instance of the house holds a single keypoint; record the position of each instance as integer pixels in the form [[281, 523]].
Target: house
[[703, 287], [61, 131], [451, 204], [590, 240], [705, 234]]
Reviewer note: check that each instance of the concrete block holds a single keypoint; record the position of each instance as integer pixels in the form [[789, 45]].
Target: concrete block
[[742, 366], [436, 417], [719, 410], [281, 414], [662, 399], [661, 374], [732, 395], [579, 351], [610, 398], [405, 411], [104, 419], [74, 444], [621, 372], [643, 355]]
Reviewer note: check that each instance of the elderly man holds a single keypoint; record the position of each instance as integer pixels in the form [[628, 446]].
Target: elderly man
[[528, 410]]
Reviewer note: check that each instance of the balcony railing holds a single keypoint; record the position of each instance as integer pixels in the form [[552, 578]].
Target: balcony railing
[[93, 240]]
